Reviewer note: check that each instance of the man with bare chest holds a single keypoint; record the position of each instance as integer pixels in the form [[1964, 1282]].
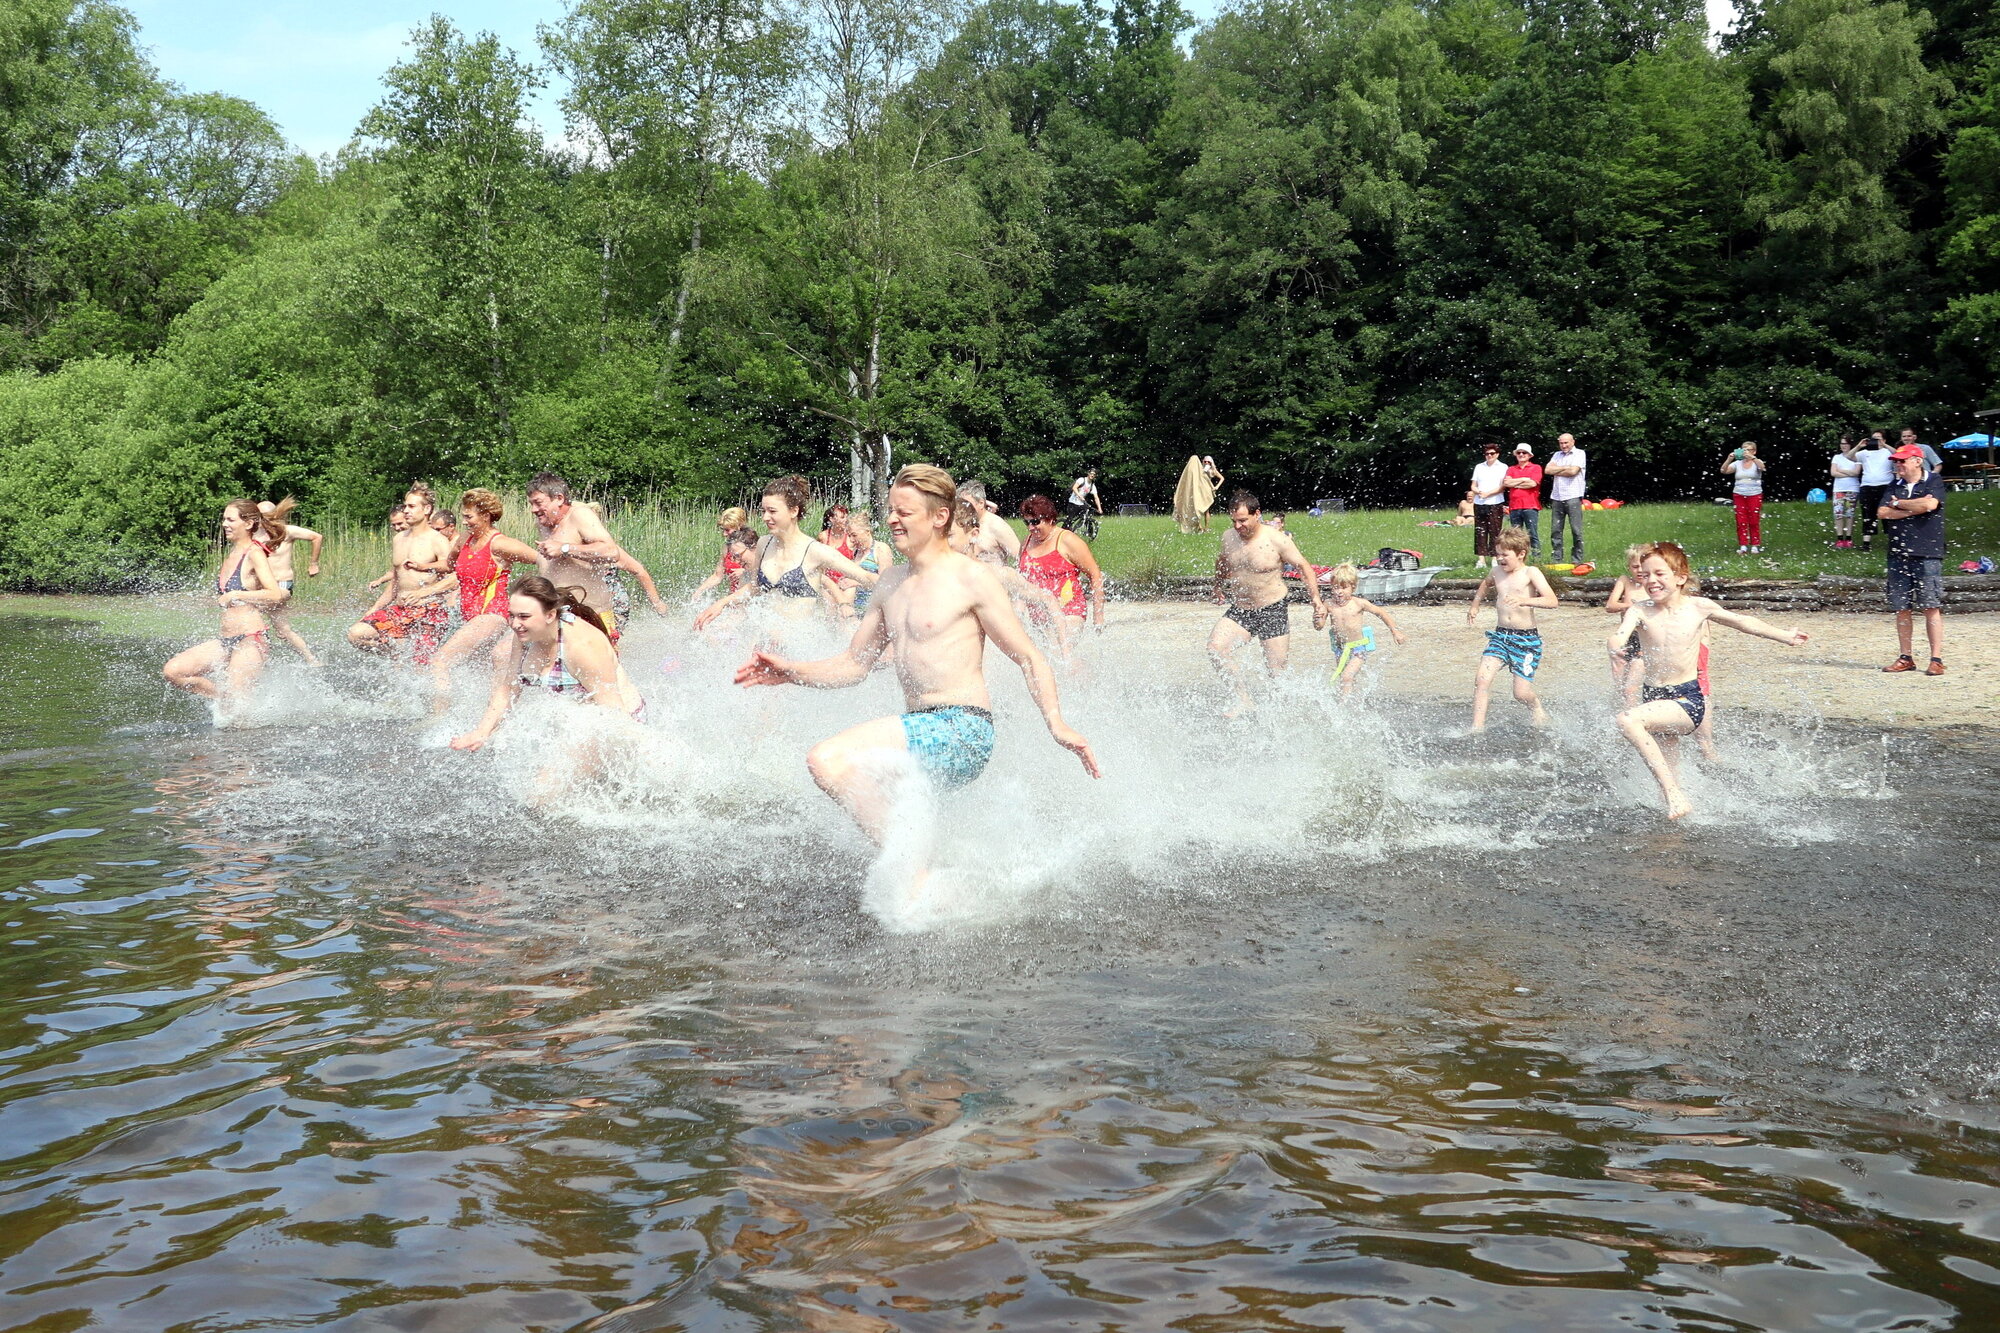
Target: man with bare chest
[[1249, 578], [412, 604], [575, 545], [939, 610]]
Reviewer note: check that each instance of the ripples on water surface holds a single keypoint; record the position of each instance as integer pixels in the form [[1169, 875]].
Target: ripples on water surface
[[318, 1026]]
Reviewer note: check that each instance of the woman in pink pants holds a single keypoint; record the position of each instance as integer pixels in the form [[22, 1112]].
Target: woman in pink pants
[[1748, 470]]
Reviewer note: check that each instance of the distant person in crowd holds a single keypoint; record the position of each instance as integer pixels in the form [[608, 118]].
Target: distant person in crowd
[[1566, 483], [281, 568], [245, 585], [1912, 513], [868, 551], [399, 523], [1468, 511], [1524, 497], [1194, 495], [995, 540], [1060, 562], [1932, 458], [576, 548], [481, 563], [1878, 474], [1037, 607], [1489, 501], [1086, 506], [1212, 472], [411, 604], [727, 568], [1250, 581], [445, 524], [833, 532], [1671, 627], [790, 567], [1845, 469], [1746, 472], [1514, 643]]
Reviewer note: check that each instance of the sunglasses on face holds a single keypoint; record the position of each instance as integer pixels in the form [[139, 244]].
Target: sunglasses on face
[[1037, 522]]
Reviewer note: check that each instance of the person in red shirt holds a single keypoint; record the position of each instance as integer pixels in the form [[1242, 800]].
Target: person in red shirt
[[1524, 497]]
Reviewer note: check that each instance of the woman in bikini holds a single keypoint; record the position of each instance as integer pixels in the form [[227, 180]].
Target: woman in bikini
[[1057, 562], [245, 587], [558, 645], [787, 561], [728, 568], [478, 562]]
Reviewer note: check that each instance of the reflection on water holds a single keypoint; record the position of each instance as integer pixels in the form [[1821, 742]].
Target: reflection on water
[[310, 1027]]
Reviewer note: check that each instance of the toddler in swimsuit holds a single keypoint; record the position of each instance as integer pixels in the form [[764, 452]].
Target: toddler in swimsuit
[[1351, 640]]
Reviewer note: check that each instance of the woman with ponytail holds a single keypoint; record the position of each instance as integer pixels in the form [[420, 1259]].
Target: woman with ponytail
[[246, 589], [556, 644]]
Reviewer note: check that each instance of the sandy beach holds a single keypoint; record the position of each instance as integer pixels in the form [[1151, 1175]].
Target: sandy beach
[[1837, 675]]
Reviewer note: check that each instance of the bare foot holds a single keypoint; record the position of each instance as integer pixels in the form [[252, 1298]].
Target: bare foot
[[1540, 717], [1678, 807], [1707, 749]]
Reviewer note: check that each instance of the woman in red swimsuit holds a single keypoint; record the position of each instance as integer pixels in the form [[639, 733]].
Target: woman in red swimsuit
[[479, 561], [245, 589], [1058, 561], [727, 567]]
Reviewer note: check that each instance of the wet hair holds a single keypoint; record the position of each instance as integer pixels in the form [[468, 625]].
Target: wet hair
[[1636, 553], [1512, 539], [271, 527], [423, 489], [1676, 558], [1345, 575], [1037, 507], [934, 484], [279, 513], [484, 503], [549, 484], [969, 512], [733, 517], [792, 490], [1247, 501], [557, 599]]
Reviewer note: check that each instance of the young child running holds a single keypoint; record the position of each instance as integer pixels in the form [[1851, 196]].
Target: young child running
[[1628, 669], [1519, 588], [1352, 640], [1669, 625]]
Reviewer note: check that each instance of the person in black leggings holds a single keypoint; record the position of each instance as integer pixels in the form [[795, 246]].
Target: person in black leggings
[[1870, 499]]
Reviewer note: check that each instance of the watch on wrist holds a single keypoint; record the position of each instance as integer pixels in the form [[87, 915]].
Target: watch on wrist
[[565, 548]]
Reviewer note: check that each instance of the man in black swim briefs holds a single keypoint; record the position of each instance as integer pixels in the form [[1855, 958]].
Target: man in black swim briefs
[[1250, 579]]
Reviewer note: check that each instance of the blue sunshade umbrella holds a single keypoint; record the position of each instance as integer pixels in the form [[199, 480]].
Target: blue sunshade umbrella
[[1969, 442]]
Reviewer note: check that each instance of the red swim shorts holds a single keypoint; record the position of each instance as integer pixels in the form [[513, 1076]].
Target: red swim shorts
[[423, 625]]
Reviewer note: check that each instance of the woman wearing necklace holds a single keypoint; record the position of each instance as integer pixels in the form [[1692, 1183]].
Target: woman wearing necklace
[[789, 567]]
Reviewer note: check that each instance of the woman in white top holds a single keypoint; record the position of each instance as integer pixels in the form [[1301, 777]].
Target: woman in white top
[[1845, 468], [1878, 474], [1489, 505], [1748, 471]]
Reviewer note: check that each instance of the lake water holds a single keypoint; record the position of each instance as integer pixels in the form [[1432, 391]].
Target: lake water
[[1319, 1021]]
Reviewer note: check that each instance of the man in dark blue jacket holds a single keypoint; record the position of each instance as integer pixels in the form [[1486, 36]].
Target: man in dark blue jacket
[[1912, 513]]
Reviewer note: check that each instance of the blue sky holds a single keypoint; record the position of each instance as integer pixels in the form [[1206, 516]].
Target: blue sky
[[316, 68]]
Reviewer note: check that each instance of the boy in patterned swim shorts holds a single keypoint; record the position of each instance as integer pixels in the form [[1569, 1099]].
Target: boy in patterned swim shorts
[[1515, 644], [938, 610]]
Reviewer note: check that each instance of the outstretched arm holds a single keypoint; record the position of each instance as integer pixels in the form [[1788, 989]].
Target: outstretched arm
[[1006, 632], [714, 579], [1370, 608], [821, 556], [1478, 598], [1791, 638], [506, 688], [299, 534], [828, 673], [1289, 554], [630, 564], [516, 552]]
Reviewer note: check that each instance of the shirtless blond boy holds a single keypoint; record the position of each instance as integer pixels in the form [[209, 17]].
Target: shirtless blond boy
[[938, 611], [1670, 626], [412, 604], [1519, 589], [1351, 638], [1250, 580], [281, 569]]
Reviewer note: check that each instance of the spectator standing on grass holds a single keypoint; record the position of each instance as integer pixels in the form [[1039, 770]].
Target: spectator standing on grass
[[1932, 458], [1746, 472], [1845, 468], [1912, 513], [1878, 474], [1489, 504], [1566, 497], [1524, 497]]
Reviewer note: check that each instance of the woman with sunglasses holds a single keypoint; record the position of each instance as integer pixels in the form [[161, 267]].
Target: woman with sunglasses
[[1057, 562]]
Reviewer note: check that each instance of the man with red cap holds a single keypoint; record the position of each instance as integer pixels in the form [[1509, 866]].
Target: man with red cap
[[1912, 513]]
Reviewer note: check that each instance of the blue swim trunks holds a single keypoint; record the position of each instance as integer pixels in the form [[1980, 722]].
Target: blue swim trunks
[[1520, 649], [1346, 650], [1687, 694], [951, 743]]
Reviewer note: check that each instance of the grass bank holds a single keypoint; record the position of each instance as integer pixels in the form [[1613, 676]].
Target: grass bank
[[1797, 539]]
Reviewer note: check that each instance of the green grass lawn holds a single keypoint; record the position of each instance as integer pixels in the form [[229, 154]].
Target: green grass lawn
[[1797, 539]]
